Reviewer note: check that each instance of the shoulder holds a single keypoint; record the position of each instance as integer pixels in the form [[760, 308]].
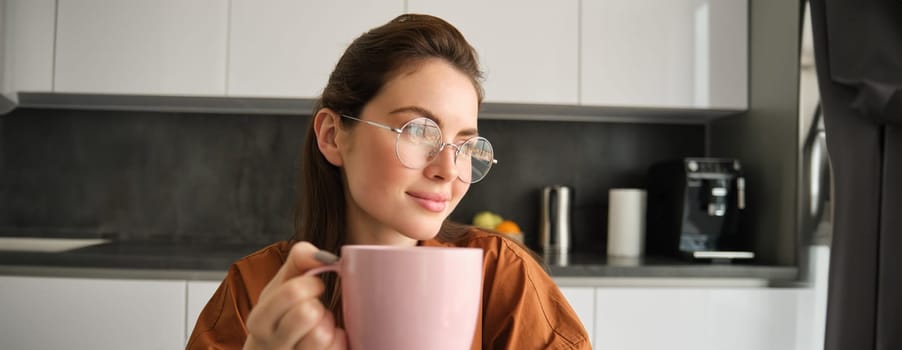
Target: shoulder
[[221, 323], [501, 249], [496, 247], [267, 258], [506, 262], [508, 268], [255, 270], [523, 306]]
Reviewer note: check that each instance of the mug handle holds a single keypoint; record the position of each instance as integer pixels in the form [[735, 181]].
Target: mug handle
[[334, 267]]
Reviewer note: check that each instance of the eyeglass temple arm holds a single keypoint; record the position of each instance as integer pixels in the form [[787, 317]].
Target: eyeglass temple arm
[[383, 126]]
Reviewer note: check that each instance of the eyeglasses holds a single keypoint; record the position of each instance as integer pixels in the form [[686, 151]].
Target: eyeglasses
[[419, 142]]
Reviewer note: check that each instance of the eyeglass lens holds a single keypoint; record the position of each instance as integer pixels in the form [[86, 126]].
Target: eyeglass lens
[[420, 141]]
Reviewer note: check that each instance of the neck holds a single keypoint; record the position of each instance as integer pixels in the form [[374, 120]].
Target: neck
[[380, 238]]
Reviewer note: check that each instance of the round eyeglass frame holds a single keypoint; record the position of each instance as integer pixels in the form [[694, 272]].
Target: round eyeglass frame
[[441, 146]]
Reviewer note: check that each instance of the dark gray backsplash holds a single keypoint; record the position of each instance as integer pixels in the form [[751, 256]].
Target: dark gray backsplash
[[231, 178], [591, 158], [150, 175]]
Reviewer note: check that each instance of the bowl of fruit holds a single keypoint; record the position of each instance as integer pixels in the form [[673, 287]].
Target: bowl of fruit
[[492, 221]]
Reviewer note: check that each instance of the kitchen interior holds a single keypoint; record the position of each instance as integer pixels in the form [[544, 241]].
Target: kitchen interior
[[147, 144]]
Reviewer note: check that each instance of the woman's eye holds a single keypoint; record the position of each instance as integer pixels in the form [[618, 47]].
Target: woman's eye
[[416, 130]]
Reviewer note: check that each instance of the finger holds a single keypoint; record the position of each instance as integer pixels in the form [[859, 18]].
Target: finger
[[321, 336], [297, 322], [340, 340], [253, 342], [300, 259], [264, 317]]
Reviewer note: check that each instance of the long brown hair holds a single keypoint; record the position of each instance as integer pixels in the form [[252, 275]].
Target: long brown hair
[[369, 62]]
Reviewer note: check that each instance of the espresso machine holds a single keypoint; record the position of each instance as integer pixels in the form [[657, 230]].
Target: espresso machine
[[695, 208]]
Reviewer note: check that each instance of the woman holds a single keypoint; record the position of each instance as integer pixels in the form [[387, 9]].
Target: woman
[[389, 153]]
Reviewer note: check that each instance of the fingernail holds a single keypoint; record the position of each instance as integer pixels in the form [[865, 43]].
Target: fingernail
[[325, 257]]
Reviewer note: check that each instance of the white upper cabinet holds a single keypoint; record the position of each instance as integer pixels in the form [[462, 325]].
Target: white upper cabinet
[[527, 48], [5, 89], [27, 39], [680, 54], [665, 53], [288, 48], [155, 47]]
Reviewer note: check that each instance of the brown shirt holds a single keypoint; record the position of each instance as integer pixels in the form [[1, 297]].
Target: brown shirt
[[522, 308]]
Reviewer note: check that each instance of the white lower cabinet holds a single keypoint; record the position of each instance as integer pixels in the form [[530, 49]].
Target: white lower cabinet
[[199, 293], [695, 318], [84, 313], [582, 300]]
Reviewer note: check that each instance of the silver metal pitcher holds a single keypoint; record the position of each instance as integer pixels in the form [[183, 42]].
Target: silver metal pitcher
[[554, 228]]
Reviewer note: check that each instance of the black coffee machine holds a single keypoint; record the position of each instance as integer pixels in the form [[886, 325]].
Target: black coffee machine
[[694, 209]]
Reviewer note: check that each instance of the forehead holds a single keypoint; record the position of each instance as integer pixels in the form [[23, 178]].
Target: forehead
[[432, 86]]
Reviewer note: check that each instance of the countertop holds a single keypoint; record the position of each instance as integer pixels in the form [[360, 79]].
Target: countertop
[[205, 261]]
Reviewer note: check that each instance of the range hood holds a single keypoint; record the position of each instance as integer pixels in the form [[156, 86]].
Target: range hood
[[155, 103], [304, 106]]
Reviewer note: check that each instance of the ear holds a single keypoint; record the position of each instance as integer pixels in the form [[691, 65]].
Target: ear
[[326, 127]]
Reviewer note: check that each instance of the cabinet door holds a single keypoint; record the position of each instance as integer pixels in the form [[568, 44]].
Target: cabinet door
[[753, 318], [582, 299], [28, 30], [155, 47], [527, 48], [650, 318], [665, 53], [199, 293], [75, 313], [288, 48], [695, 318]]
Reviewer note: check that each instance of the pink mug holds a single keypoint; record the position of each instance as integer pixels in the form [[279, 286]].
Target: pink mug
[[402, 298]]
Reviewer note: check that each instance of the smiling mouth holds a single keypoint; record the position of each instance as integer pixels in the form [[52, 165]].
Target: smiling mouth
[[430, 203]]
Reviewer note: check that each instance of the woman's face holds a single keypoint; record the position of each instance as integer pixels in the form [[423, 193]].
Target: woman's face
[[389, 203]]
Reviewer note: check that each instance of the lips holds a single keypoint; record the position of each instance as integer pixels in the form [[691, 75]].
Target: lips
[[430, 201]]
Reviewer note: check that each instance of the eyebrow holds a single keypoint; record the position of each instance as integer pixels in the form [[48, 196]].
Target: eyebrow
[[426, 113]]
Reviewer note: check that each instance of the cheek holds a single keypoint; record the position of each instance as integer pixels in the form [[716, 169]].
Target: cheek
[[459, 189], [365, 154], [371, 165]]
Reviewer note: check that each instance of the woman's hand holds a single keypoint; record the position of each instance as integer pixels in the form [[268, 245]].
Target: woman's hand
[[289, 314]]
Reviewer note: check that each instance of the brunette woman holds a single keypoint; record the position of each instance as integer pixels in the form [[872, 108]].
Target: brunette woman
[[391, 149]]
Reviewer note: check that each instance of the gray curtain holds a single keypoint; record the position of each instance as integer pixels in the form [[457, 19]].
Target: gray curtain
[[858, 53]]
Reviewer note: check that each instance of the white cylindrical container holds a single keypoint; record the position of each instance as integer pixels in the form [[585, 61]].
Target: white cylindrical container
[[626, 222]]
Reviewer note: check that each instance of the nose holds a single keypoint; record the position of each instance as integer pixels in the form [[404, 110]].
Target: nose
[[443, 167]]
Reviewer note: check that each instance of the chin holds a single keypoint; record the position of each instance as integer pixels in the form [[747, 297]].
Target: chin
[[422, 232]]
